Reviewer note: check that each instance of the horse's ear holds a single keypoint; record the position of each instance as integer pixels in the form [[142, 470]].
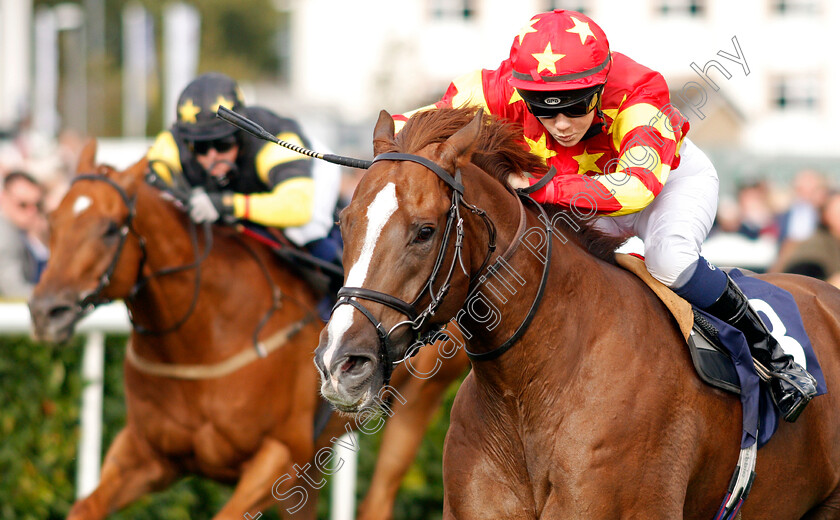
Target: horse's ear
[[383, 133], [457, 151], [87, 158]]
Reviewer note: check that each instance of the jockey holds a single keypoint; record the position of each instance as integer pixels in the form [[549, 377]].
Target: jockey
[[235, 176], [619, 147]]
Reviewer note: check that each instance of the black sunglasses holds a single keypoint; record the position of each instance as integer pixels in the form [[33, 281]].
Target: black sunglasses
[[576, 109], [220, 145]]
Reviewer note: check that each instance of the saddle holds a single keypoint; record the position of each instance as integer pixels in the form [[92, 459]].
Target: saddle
[[711, 360], [319, 274]]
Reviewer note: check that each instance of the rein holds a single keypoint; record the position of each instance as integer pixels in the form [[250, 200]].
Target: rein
[[454, 222], [87, 304], [520, 331], [193, 372]]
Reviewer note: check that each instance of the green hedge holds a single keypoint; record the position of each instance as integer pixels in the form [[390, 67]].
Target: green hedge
[[40, 396]]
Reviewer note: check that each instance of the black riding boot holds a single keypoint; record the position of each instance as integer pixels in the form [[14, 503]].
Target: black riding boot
[[790, 385]]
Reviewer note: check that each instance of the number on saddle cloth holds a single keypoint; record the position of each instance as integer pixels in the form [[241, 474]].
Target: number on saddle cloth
[[780, 314]]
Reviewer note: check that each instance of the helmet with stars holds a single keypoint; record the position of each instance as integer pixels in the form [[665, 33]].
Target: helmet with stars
[[199, 102], [559, 58]]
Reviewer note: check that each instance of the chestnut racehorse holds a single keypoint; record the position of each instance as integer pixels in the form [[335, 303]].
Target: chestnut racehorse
[[197, 302], [593, 411]]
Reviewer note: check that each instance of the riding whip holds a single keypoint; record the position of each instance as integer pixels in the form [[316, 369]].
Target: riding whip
[[242, 122]]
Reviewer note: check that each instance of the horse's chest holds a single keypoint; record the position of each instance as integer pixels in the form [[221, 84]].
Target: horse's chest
[[203, 442]]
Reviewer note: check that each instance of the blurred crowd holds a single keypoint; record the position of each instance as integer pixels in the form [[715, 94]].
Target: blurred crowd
[[34, 176], [792, 228], [763, 226]]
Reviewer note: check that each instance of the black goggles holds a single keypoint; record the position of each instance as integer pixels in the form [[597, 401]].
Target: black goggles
[[220, 145], [544, 105]]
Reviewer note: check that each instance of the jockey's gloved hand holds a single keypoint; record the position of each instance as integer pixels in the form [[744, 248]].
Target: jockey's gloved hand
[[209, 207]]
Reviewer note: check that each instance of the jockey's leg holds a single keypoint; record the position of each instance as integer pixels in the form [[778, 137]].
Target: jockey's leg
[[791, 386], [673, 237]]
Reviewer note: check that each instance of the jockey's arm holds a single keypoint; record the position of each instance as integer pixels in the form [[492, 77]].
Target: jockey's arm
[[164, 159], [288, 204], [288, 175], [647, 142], [466, 90]]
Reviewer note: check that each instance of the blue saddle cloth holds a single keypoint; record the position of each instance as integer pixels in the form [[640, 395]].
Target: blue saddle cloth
[[779, 312]]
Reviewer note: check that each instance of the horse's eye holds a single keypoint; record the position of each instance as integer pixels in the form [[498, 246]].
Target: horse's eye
[[112, 230], [424, 234]]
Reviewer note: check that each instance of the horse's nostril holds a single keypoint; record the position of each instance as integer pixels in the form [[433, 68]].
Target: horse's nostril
[[58, 311], [354, 365], [348, 365]]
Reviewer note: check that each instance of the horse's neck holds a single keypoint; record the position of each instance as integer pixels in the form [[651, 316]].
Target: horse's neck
[[186, 298], [575, 283]]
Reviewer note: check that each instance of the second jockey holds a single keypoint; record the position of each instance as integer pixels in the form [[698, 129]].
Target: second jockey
[[235, 176]]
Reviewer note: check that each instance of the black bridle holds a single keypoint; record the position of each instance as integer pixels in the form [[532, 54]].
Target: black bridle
[[417, 319], [85, 305], [94, 298]]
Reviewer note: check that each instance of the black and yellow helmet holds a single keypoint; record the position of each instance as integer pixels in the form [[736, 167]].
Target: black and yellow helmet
[[199, 102]]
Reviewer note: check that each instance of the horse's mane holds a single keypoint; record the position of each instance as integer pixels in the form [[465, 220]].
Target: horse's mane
[[499, 152]]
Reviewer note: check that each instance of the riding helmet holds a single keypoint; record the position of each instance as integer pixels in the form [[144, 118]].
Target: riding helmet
[[199, 102], [559, 58]]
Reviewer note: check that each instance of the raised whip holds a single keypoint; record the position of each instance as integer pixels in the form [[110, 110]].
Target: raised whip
[[242, 122]]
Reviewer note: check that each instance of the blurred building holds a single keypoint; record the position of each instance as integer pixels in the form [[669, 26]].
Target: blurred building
[[755, 77], [351, 59]]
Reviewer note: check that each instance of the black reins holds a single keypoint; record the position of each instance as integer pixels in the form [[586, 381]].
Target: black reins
[[94, 298], [520, 331], [453, 221]]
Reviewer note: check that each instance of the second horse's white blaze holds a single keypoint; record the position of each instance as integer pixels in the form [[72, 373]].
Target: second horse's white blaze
[[378, 213], [81, 203]]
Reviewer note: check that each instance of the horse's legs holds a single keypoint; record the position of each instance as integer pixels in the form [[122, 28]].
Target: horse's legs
[[403, 434], [253, 492], [482, 478], [131, 470]]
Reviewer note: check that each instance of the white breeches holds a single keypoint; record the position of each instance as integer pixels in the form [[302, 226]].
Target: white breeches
[[676, 223]]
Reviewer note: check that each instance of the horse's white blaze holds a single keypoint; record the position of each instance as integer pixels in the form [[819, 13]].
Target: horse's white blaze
[[380, 210], [82, 203]]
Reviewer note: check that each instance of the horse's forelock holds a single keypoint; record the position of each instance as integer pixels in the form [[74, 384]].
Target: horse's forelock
[[500, 150]]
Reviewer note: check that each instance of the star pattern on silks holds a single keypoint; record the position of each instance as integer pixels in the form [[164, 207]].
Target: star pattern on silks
[[515, 97], [547, 59], [222, 101], [613, 112], [527, 29], [581, 29], [539, 148], [586, 162], [188, 111]]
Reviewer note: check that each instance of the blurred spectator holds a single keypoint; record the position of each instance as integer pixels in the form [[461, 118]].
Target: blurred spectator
[[800, 221], [23, 253], [819, 255], [758, 219], [728, 218]]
